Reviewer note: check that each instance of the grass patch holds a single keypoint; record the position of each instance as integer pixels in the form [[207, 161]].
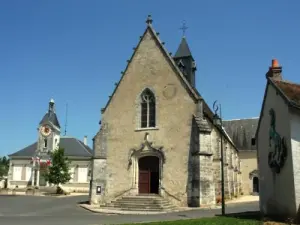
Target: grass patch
[[207, 221]]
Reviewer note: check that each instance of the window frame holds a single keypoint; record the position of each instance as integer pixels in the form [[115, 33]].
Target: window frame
[[148, 103]]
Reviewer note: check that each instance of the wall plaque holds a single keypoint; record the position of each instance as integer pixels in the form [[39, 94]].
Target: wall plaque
[[169, 91], [98, 190]]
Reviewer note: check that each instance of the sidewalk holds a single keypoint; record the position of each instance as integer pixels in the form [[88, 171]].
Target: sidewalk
[[16, 193], [97, 209], [243, 199]]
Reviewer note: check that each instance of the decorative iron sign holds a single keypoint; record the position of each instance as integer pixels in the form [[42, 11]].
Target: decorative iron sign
[[277, 146]]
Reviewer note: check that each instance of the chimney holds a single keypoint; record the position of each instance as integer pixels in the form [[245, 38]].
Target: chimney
[[85, 140], [275, 70]]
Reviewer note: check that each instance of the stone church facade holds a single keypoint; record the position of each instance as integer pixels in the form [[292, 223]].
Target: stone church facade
[[157, 134]]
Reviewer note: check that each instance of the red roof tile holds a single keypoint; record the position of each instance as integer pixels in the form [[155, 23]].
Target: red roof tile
[[290, 90]]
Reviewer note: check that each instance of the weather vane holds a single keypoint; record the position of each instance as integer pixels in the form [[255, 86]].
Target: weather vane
[[183, 28]]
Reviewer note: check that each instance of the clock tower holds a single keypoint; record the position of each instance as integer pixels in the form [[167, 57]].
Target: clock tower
[[48, 132]]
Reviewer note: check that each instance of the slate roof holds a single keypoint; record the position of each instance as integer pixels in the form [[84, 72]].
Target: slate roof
[[73, 148], [241, 131], [50, 117], [290, 90], [183, 49]]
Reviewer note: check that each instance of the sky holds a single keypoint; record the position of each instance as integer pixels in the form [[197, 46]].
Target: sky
[[74, 51]]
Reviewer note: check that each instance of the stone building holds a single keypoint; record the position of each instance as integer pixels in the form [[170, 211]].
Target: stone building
[[278, 145], [157, 134], [242, 133], [28, 164]]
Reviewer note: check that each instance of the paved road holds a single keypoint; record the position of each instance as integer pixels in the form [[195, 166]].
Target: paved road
[[35, 210]]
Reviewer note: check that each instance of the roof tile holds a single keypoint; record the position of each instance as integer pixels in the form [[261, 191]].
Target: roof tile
[[290, 90]]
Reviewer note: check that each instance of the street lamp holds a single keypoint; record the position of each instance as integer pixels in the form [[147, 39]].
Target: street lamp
[[217, 120]]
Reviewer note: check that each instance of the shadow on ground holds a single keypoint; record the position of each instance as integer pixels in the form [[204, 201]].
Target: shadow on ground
[[83, 202], [251, 215], [256, 215]]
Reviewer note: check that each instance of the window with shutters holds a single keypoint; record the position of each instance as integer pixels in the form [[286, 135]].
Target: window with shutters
[[28, 173], [148, 110], [82, 174], [17, 173]]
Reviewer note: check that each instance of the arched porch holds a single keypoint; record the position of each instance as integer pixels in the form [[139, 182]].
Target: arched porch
[[146, 165]]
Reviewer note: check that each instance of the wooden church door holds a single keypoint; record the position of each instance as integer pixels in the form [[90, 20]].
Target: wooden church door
[[144, 181]]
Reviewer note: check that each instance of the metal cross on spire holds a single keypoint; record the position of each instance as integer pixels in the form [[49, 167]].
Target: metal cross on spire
[[183, 28]]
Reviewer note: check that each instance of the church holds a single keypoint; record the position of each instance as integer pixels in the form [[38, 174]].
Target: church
[[157, 135], [28, 165]]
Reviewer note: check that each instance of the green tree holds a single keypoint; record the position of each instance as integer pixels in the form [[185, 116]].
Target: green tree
[[58, 172], [4, 167]]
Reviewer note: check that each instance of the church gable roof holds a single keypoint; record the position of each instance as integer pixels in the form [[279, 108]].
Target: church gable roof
[[72, 146], [193, 92]]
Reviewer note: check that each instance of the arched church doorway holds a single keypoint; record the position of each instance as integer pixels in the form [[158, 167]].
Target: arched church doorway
[[255, 185], [149, 175]]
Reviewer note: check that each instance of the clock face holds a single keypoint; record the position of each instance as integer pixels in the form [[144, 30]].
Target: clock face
[[45, 130]]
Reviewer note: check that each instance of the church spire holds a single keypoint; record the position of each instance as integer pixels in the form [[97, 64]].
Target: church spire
[[185, 60], [183, 49]]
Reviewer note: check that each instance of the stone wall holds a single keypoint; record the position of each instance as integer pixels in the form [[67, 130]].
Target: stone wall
[[189, 171], [207, 185], [231, 171]]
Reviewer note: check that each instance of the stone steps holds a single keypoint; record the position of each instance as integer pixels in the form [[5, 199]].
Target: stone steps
[[151, 203]]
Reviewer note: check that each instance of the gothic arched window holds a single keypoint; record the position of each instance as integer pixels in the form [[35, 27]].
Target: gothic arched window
[[147, 109]]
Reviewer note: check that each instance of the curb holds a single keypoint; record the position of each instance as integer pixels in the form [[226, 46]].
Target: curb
[[40, 194], [122, 212]]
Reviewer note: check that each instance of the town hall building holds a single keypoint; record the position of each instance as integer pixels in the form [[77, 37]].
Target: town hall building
[[28, 165], [157, 135]]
